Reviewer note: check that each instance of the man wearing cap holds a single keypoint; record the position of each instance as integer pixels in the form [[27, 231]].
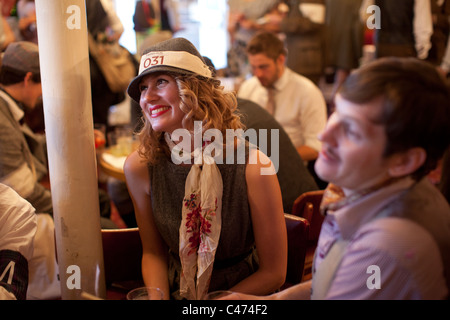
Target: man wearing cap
[[23, 160], [22, 155]]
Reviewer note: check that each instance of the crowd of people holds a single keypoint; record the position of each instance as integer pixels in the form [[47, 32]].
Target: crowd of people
[[211, 213]]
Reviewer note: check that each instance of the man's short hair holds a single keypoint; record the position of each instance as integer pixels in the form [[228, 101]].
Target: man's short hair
[[266, 43], [415, 107]]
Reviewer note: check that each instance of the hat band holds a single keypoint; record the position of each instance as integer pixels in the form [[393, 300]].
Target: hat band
[[177, 59]]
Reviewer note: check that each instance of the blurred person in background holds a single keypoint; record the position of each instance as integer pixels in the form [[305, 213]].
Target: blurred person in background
[[293, 100], [405, 28]]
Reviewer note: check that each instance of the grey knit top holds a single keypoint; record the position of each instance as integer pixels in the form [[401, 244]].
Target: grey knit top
[[235, 256]]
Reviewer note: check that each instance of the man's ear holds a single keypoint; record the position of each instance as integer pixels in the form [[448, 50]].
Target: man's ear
[[281, 60], [406, 163], [28, 77]]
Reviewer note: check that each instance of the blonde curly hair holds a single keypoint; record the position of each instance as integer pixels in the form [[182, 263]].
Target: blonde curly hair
[[202, 99]]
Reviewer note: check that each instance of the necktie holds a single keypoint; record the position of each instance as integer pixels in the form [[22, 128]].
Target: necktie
[[270, 106]]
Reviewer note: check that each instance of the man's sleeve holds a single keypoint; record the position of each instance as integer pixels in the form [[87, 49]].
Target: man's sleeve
[[18, 225], [13, 274], [16, 171], [423, 27]]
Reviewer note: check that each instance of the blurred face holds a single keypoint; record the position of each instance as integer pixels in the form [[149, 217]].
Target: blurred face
[[160, 102], [352, 147], [267, 70], [33, 92], [36, 95]]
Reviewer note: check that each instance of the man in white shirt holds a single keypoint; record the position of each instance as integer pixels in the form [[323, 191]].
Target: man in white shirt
[[17, 231], [299, 105]]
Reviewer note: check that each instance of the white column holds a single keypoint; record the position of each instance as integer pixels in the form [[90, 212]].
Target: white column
[[64, 61]]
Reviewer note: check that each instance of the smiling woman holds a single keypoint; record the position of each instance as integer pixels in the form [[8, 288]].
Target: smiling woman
[[204, 225], [160, 102]]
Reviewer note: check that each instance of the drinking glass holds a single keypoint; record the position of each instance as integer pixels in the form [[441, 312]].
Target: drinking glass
[[145, 293], [219, 294]]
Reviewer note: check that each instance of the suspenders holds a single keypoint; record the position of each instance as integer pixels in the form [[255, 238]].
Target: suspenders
[[327, 270]]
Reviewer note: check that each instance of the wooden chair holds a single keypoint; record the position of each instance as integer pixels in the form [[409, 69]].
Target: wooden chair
[[297, 232], [307, 206], [122, 255]]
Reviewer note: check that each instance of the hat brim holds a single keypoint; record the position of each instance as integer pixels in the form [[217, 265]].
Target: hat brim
[[133, 88]]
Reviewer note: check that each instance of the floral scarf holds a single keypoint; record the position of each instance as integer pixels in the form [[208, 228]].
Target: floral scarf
[[200, 225]]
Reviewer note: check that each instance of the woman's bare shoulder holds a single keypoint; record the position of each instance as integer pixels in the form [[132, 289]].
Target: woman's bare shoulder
[[135, 166]]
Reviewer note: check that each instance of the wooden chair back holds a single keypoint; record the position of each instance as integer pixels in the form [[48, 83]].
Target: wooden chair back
[[307, 206], [122, 255], [297, 232]]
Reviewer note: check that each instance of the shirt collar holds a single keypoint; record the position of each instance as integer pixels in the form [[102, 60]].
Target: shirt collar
[[283, 80], [350, 218], [14, 107]]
